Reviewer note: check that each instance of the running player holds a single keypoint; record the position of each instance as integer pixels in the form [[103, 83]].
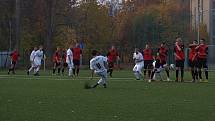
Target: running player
[[179, 58], [112, 56], [14, 58], [69, 60], [38, 60], [77, 53], [99, 65], [139, 64], [32, 56], [148, 60], [193, 60], [163, 53], [57, 61], [157, 68], [202, 50]]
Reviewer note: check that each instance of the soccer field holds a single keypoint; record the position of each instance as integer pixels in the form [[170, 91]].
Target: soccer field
[[59, 98]]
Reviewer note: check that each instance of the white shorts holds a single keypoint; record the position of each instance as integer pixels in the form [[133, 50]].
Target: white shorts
[[103, 76], [138, 67], [37, 62], [70, 65]]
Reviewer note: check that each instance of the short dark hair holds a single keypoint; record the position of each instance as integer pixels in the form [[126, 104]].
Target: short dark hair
[[203, 39], [195, 40], [164, 43], [94, 52]]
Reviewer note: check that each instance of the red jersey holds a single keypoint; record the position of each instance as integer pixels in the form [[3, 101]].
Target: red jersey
[[163, 53], [76, 53], [112, 55], [56, 57], [179, 53], [14, 56], [203, 51], [147, 54], [193, 53]]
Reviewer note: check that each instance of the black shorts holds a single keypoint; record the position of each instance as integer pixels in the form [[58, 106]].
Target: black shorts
[[163, 63], [179, 63], [65, 64], [202, 63], [76, 62], [148, 64], [157, 64], [110, 64], [193, 64], [56, 64], [13, 62]]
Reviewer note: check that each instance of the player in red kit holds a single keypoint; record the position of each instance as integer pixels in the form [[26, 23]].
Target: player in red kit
[[202, 50], [148, 60], [193, 60], [179, 58], [77, 53], [112, 56], [163, 53], [14, 58], [57, 61]]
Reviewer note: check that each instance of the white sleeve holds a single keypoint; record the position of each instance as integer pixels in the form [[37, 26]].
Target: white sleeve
[[91, 65]]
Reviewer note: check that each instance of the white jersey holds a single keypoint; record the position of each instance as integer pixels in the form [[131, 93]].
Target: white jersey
[[32, 56], [138, 57], [38, 57], [98, 64], [69, 56]]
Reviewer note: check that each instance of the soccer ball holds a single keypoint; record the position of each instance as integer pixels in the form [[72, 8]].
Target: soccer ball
[[172, 67]]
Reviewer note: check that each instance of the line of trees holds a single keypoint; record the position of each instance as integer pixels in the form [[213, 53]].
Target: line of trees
[[62, 22]]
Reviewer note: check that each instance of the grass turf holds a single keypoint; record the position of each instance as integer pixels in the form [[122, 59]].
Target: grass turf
[[57, 98]]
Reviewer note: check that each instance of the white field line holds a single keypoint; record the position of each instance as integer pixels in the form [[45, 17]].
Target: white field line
[[25, 77]]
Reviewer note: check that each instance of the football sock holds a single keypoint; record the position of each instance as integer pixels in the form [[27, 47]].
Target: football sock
[[62, 70], [70, 71], [149, 72], [196, 75], [200, 74], [177, 71], [77, 71], [58, 70], [182, 74], [167, 72], [193, 74], [73, 71], [54, 71], [95, 85], [206, 74]]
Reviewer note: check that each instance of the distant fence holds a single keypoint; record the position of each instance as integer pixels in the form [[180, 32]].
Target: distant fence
[[4, 59], [125, 56]]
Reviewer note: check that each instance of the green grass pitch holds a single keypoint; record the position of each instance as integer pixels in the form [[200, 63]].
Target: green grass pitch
[[59, 98]]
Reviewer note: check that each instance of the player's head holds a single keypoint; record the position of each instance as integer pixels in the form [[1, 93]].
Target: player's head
[[58, 48], [136, 50], [179, 40], [163, 44], [112, 47], [41, 47], [195, 42], [202, 41], [77, 45], [147, 46], [94, 53], [70, 47], [35, 48]]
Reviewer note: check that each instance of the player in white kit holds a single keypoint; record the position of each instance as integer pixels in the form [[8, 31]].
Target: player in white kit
[[99, 65], [139, 64], [38, 60], [32, 61], [69, 60]]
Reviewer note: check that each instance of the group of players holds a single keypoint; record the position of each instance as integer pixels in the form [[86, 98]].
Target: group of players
[[156, 64], [102, 65]]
